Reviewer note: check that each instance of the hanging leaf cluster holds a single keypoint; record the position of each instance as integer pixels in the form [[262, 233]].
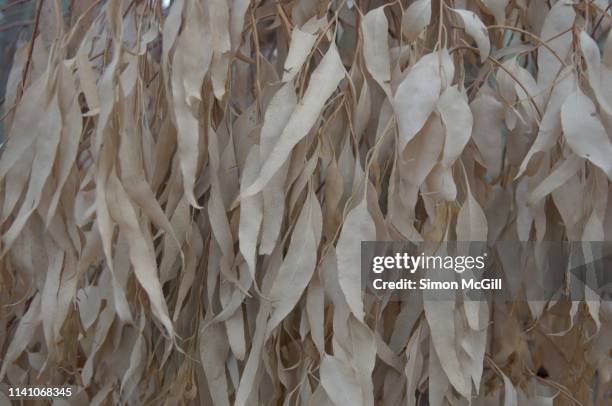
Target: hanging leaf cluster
[[185, 185]]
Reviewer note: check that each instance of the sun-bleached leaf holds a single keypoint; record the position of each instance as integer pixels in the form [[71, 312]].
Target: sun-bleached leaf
[[219, 18], [416, 18], [475, 28], [556, 32], [557, 177], [376, 47], [457, 118], [302, 41], [416, 96], [213, 351], [132, 376], [238, 11], [414, 365], [599, 74], [277, 115], [324, 81], [315, 312], [299, 263], [188, 71], [45, 150], [89, 305], [141, 255], [488, 118], [440, 318], [510, 395], [358, 226], [87, 82], [251, 213], [438, 378], [411, 170], [498, 9], [593, 231], [458, 121], [584, 132], [340, 381], [550, 126], [25, 331], [471, 220]]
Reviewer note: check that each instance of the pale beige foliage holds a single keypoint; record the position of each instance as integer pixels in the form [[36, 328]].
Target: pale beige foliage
[[184, 191]]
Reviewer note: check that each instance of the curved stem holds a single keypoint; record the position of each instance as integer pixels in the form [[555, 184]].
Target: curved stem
[[24, 78], [533, 36], [440, 22]]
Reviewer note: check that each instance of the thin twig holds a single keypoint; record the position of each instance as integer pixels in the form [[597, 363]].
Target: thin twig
[[603, 14], [24, 78], [440, 23], [535, 37]]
